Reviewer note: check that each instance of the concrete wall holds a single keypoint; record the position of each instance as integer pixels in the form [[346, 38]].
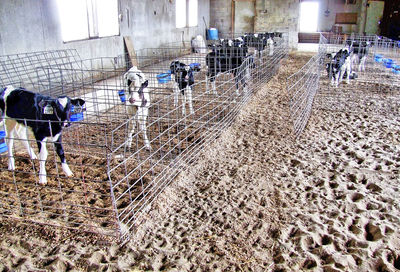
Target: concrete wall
[[33, 25], [220, 15], [280, 16], [271, 15], [325, 23]]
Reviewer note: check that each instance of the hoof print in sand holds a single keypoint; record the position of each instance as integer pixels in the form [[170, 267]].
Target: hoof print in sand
[[372, 233]]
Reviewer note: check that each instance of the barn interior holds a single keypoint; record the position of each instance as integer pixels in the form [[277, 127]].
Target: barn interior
[[268, 164], [41, 27]]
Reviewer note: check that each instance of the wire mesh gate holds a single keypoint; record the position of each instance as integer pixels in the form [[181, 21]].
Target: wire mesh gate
[[113, 184]]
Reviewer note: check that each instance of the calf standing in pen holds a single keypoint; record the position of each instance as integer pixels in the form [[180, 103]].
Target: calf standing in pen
[[44, 116], [339, 66], [184, 79], [359, 51], [138, 102], [259, 41], [228, 58]]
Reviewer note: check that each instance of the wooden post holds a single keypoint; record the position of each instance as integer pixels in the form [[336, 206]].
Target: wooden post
[[233, 18], [131, 51]]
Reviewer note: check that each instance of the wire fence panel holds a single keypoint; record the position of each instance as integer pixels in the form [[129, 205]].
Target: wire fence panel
[[116, 174], [376, 88], [302, 88], [21, 69]]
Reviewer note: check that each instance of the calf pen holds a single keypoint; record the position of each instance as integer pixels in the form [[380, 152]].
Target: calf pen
[[375, 91], [112, 184]]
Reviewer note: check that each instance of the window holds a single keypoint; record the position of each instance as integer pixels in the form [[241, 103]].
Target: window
[[309, 16], [79, 19], [192, 13], [180, 13], [186, 13]]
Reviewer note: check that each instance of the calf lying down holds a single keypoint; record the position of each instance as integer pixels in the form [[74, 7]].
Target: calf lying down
[[45, 116]]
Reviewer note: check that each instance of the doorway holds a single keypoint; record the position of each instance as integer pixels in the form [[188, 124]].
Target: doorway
[[309, 16], [374, 16]]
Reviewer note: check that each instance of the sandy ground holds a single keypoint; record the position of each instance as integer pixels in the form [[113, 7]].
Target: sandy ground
[[256, 201]]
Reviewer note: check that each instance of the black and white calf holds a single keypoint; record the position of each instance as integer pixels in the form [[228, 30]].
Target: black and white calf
[[270, 43], [44, 116], [259, 41], [339, 66], [184, 79], [359, 51], [228, 59], [138, 102]]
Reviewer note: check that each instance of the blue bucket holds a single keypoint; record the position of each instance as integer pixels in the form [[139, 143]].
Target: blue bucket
[[396, 69], [378, 58], [389, 63], [213, 34], [164, 77], [121, 94], [77, 116], [3, 145], [195, 66]]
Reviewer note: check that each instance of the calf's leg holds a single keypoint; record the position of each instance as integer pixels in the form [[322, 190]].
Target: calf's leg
[[42, 160], [133, 111], [61, 155], [190, 98], [214, 89], [176, 94], [10, 131], [142, 114], [22, 132]]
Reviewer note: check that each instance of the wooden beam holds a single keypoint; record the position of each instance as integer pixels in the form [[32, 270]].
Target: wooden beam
[[131, 50], [233, 17]]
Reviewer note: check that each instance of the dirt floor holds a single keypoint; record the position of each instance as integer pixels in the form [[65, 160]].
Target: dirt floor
[[257, 200]]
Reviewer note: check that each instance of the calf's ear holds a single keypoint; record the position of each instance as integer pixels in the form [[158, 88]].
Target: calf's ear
[[77, 102], [145, 84], [63, 101]]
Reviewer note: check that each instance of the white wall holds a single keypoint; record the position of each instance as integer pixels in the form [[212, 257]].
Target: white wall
[[334, 6], [33, 25]]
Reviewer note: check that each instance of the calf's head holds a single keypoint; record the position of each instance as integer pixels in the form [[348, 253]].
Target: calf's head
[[134, 78], [61, 109], [140, 96]]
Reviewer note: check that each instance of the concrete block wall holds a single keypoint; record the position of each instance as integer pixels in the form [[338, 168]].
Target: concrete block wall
[[271, 15], [278, 16], [220, 15]]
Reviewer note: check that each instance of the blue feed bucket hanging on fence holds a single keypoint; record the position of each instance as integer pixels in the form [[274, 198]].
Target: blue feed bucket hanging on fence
[[3, 145], [389, 63], [77, 114], [164, 77], [396, 69], [195, 65], [378, 58], [121, 94]]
